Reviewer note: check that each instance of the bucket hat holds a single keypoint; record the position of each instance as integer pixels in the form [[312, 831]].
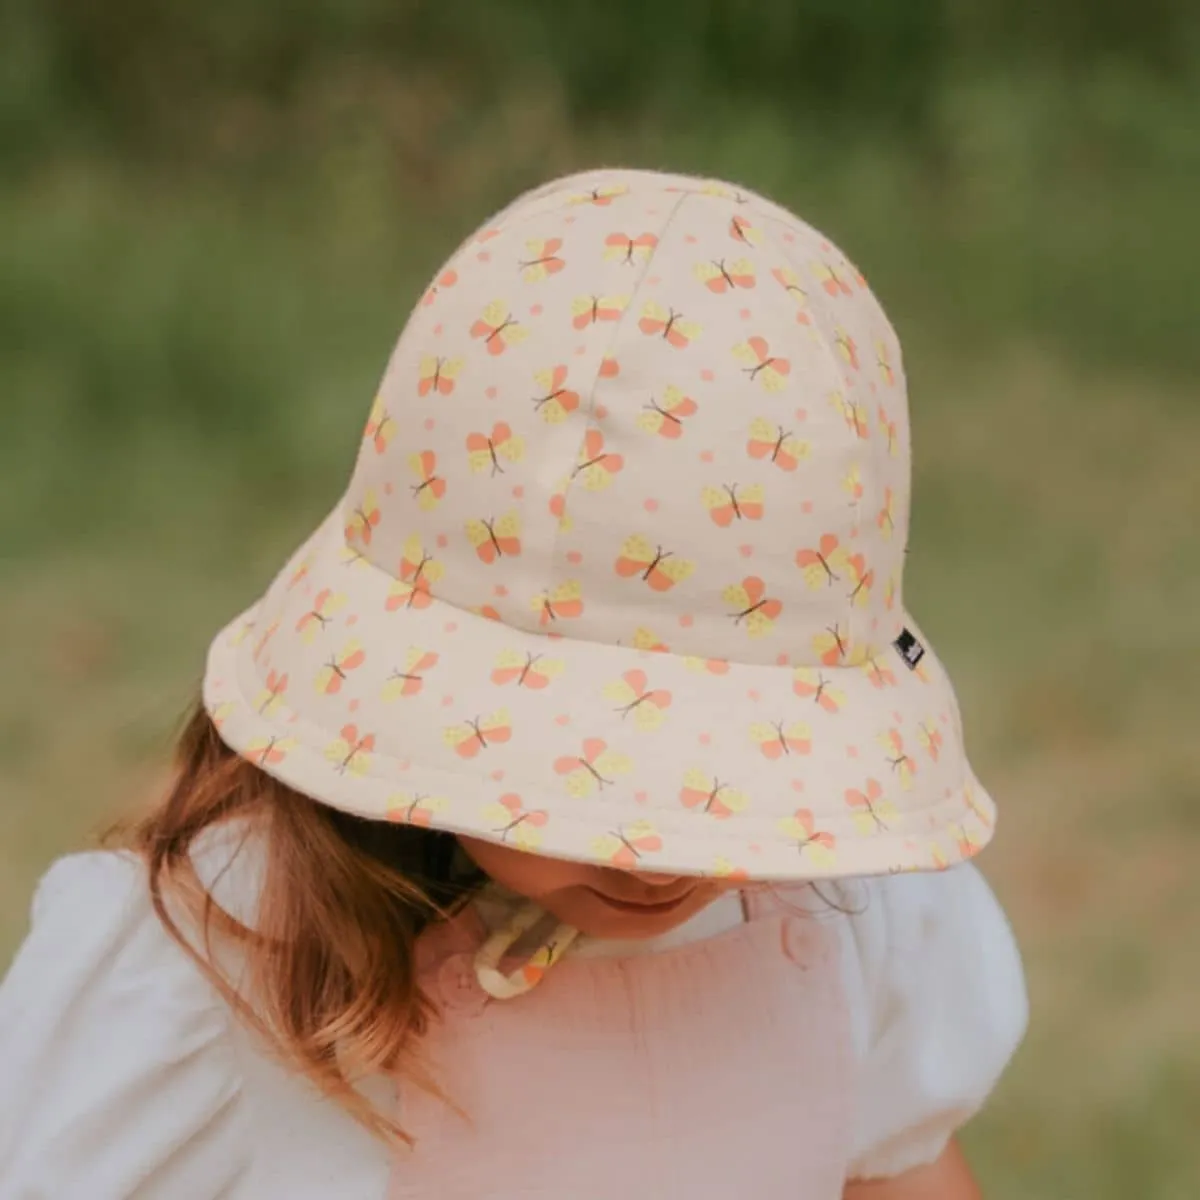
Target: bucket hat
[[618, 576]]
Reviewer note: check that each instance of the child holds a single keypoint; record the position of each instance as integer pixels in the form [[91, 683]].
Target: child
[[553, 825]]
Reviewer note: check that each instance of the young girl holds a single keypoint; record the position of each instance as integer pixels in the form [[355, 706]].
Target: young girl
[[554, 825]]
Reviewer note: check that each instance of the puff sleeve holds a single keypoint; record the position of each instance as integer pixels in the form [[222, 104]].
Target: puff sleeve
[[939, 1006], [117, 1073]]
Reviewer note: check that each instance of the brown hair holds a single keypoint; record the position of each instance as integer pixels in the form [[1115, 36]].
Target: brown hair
[[327, 968]]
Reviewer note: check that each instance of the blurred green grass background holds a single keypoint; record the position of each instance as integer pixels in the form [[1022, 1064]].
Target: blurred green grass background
[[219, 216]]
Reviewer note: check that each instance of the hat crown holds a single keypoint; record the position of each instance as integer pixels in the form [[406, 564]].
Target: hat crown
[[645, 410]]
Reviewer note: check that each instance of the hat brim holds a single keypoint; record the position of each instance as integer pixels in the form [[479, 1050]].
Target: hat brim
[[410, 709]]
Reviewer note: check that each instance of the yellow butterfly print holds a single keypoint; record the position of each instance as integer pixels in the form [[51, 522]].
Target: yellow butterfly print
[[752, 606], [834, 280], [352, 751], [558, 505], [730, 503], [852, 483], [417, 572], [824, 564], [494, 540], [406, 809], [432, 486], [669, 325], [846, 347], [556, 401], [853, 413], [498, 328], [627, 846], [883, 358], [602, 195], [877, 671], [485, 450], [665, 417], [815, 844], [334, 672], [769, 370], [807, 682], [790, 282], [561, 603], [701, 791], [741, 230], [592, 770], [596, 465], [543, 261], [591, 310], [525, 670], [364, 518], [269, 751], [833, 646], [381, 427], [861, 577], [777, 740], [313, 622], [869, 810], [633, 697], [724, 869], [647, 639], [903, 765], [409, 680], [776, 445], [890, 431], [468, 738], [517, 825], [887, 514], [720, 276], [270, 699], [438, 376], [655, 566], [930, 737]]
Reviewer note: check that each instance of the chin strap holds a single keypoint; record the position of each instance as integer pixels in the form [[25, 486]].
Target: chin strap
[[503, 986]]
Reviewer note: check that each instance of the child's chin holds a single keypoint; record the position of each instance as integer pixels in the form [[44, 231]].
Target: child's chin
[[600, 921]]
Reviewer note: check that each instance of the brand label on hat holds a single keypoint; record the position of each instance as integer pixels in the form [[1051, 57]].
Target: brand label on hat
[[910, 648]]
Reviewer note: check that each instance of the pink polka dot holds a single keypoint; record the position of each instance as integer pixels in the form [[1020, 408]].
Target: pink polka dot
[[851, 751], [802, 414], [706, 456], [707, 375], [568, 220], [753, 694], [685, 620], [650, 505], [403, 763], [897, 718], [600, 412], [580, 351], [447, 701], [754, 849], [744, 313], [873, 388], [497, 775], [351, 620], [562, 719], [797, 785], [574, 557], [484, 256], [854, 533], [807, 506], [640, 797], [705, 739], [442, 540], [430, 423], [745, 550], [437, 329], [654, 280], [826, 247], [554, 637], [490, 392], [388, 488], [450, 626], [499, 590], [782, 659], [518, 491], [690, 239], [535, 310], [353, 706]]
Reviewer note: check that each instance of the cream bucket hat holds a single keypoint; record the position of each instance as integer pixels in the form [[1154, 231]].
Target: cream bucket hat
[[618, 576]]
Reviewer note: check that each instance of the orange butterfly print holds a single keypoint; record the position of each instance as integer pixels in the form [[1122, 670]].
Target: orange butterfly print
[[721, 277], [325, 603], [432, 486], [414, 810], [853, 483], [666, 419], [525, 670], [220, 714], [742, 231], [301, 571], [902, 763], [820, 566], [270, 699], [777, 740], [601, 195], [883, 359], [710, 666], [561, 603], [862, 577], [968, 844], [264, 640], [595, 466], [853, 413], [445, 280], [270, 751], [470, 737], [752, 604], [487, 611], [790, 282], [930, 737], [333, 673], [516, 822], [870, 811], [495, 538], [591, 771], [544, 259], [710, 795], [668, 324], [846, 347], [727, 504], [625, 847], [499, 328], [381, 428], [364, 519], [776, 445], [656, 566], [890, 431], [409, 681], [832, 646], [631, 694], [591, 310], [647, 639], [485, 450], [620, 247], [762, 366], [887, 515], [889, 594], [878, 673], [832, 279], [556, 400], [438, 375], [558, 505], [973, 804], [807, 682], [417, 572], [352, 751]]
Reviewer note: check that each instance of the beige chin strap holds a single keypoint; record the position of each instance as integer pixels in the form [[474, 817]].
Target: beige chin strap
[[503, 986]]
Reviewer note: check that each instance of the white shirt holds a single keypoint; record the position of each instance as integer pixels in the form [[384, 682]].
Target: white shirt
[[123, 1074]]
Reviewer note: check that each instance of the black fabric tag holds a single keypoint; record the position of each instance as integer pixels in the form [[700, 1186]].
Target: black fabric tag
[[910, 649]]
